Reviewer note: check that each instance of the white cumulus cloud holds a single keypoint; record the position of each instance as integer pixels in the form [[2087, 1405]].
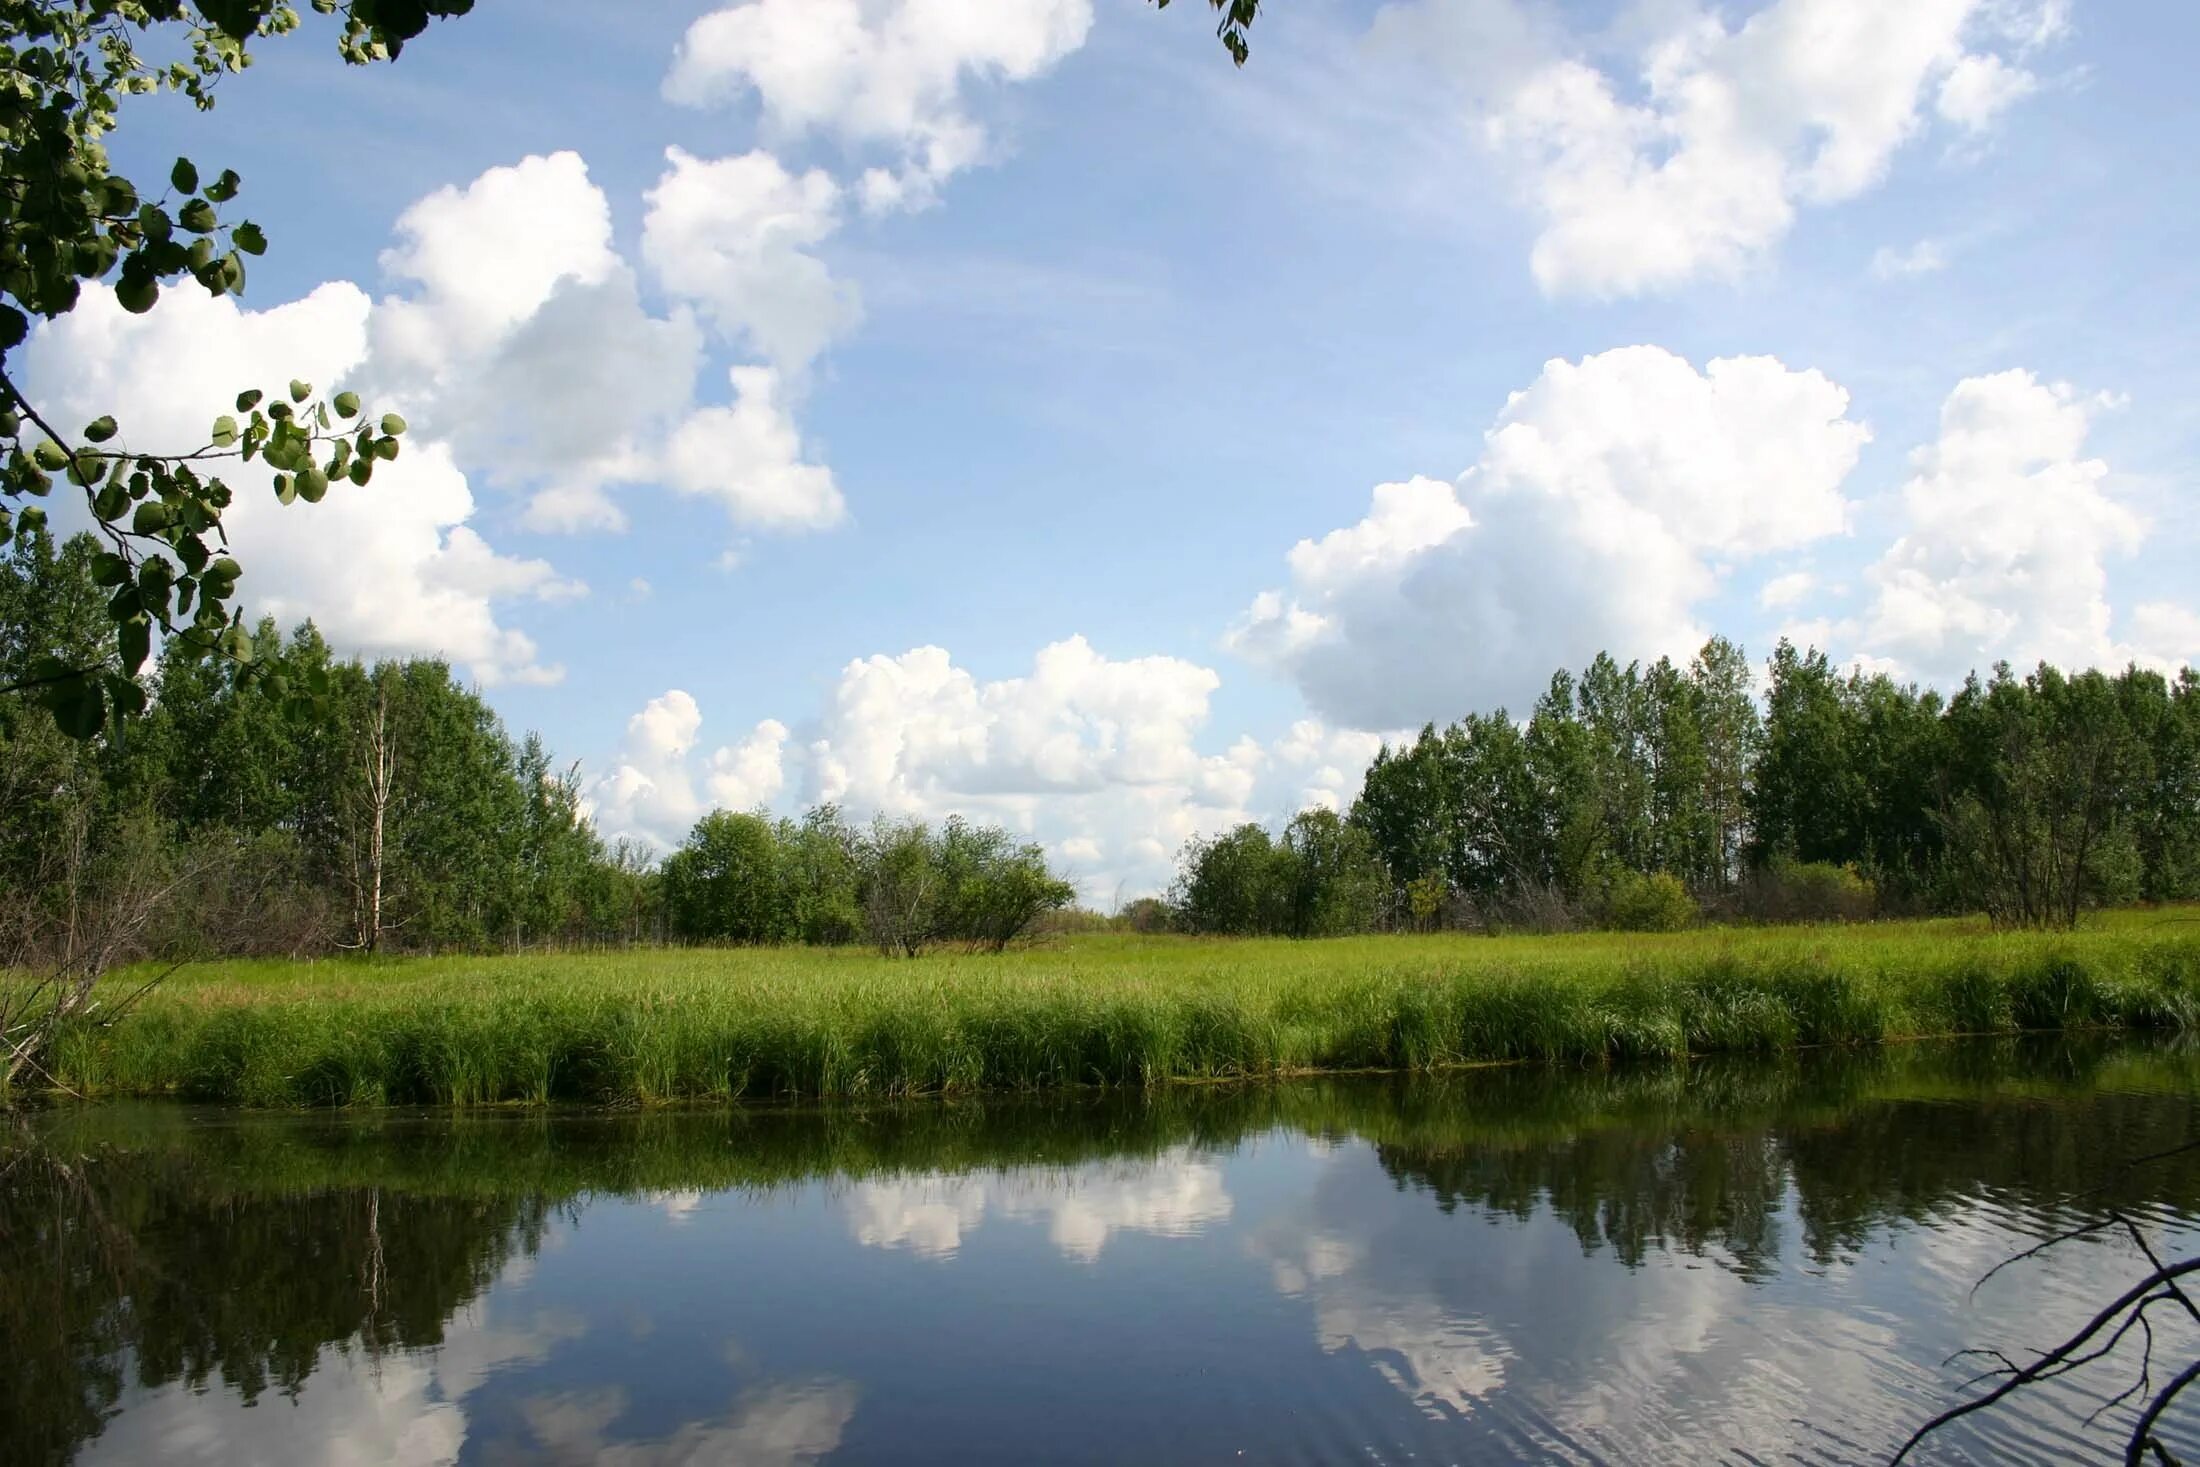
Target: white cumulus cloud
[[748, 457], [2009, 530], [896, 75], [1097, 759], [1608, 496], [733, 235], [390, 569], [1692, 159]]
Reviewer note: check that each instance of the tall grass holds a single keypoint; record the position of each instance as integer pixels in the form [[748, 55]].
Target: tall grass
[[660, 1027]]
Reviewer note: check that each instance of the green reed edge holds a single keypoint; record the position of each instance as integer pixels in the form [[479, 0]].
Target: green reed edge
[[683, 1026]]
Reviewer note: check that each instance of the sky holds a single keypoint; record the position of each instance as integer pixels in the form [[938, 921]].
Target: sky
[[1009, 408]]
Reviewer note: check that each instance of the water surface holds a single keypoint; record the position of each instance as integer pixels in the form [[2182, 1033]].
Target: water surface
[[1733, 1262]]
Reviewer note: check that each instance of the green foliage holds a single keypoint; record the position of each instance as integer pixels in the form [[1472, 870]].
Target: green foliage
[[971, 884], [2049, 775], [1237, 17], [1237, 884], [250, 770], [1656, 902], [67, 217], [1624, 768], [1321, 878], [724, 884], [1337, 886], [768, 1023], [743, 879], [2031, 799], [1788, 890]]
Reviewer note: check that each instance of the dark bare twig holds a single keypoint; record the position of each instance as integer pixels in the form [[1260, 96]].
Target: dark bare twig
[[2142, 1435], [2045, 1366], [2137, 1387], [2041, 1247], [2079, 1350]]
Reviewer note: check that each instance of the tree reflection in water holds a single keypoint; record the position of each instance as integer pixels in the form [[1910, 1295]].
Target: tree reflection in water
[[147, 1246]]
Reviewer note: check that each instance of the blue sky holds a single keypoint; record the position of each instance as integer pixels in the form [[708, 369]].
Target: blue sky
[[1054, 326]]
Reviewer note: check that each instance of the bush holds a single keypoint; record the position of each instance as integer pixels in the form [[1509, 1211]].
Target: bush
[[966, 883], [1540, 907], [1320, 878], [1787, 890], [1649, 903], [1145, 915]]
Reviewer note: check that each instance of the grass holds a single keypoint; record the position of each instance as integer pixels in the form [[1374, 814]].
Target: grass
[[715, 1025]]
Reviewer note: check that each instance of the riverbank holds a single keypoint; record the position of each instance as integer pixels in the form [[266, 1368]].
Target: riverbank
[[654, 1027]]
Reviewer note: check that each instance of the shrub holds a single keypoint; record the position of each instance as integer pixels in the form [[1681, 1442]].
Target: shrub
[[1532, 906], [1146, 914], [1786, 890], [1649, 903], [965, 884]]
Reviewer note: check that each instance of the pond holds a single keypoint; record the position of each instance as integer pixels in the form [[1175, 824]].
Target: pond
[[1736, 1262]]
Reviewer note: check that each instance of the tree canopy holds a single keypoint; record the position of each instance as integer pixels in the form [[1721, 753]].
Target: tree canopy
[[1636, 797], [68, 217]]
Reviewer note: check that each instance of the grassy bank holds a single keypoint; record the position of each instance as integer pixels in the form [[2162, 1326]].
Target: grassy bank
[[654, 1027]]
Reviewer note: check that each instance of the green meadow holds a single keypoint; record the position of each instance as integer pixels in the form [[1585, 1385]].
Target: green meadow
[[695, 1025]]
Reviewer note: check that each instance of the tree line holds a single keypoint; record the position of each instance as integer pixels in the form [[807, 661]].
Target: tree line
[[1648, 797], [290, 801]]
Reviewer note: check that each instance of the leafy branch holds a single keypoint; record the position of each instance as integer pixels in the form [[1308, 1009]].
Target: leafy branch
[[1237, 20], [66, 217]]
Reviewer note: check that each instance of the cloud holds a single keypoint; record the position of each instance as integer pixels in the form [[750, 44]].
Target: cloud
[[1787, 590], [902, 732], [521, 340], [487, 256], [2008, 532], [732, 235], [526, 346], [1608, 496], [1923, 258], [895, 75], [1174, 1195], [392, 569], [1692, 161], [748, 457], [751, 772], [786, 1424], [650, 791], [1097, 759], [1978, 89], [352, 1406]]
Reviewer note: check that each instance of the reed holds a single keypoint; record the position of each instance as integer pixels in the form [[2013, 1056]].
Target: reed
[[657, 1027]]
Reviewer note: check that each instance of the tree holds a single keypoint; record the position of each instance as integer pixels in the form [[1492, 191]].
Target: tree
[[368, 806], [1684, 836], [1731, 731], [2163, 813], [723, 884], [1238, 883], [66, 217], [1409, 808], [1804, 796], [2036, 806], [820, 868], [1570, 834], [1321, 878], [900, 891], [555, 849], [994, 887], [1337, 884]]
